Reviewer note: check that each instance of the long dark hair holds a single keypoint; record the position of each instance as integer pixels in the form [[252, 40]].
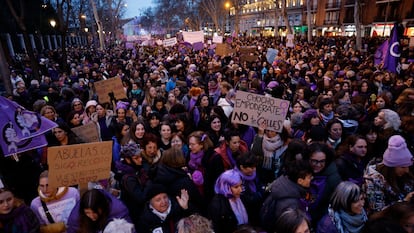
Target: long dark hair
[[96, 201]]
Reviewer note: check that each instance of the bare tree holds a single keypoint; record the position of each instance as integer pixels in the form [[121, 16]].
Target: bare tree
[[285, 17], [357, 16], [215, 9], [4, 71], [99, 25], [276, 18], [309, 19], [63, 12], [20, 21]]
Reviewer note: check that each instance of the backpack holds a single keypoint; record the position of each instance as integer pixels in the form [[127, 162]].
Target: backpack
[[268, 216]]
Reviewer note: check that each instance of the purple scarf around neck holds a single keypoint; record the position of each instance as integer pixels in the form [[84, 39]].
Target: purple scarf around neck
[[195, 160], [248, 180]]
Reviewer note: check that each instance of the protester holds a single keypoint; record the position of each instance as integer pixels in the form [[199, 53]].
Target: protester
[[346, 212], [390, 181], [94, 211], [53, 206], [227, 210], [15, 216]]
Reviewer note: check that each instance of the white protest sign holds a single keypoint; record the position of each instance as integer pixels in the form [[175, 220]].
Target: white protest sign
[[218, 39], [253, 109], [170, 42], [289, 40], [193, 37]]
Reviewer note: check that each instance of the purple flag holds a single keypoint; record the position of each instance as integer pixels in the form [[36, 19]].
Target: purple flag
[[381, 53], [19, 123], [198, 46], [392, 62], [11, 145]]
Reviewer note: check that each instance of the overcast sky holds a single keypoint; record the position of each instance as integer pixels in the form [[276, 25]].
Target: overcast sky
[[135, 6]]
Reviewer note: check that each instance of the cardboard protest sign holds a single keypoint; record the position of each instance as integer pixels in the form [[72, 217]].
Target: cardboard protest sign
[[248, 58], [253, 109], [247, 49], [79, 164], [88, 132], [221, 49], [104, 87]]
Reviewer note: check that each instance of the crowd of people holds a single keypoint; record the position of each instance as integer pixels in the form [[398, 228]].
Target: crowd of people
[[342, 163]]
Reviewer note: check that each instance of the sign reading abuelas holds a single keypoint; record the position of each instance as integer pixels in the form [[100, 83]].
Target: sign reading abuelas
[[252, 109], [79, 164]]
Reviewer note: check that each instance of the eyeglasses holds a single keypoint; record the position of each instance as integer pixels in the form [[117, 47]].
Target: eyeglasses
[[317, 162]]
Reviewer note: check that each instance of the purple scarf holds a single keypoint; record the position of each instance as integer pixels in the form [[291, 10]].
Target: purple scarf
[[248, 180], [195, 160], [230, 155]]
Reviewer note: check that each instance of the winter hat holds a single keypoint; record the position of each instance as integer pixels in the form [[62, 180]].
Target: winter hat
[[397, 153], [91, 103], [154, 190], [130, 150], [197, 177], [75, 100]]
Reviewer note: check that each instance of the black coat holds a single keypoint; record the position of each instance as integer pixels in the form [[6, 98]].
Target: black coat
[[220, 212], [175, 179], [149, 221]]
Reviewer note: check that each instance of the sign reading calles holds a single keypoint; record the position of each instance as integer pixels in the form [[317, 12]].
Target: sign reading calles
[[253, 109], [78, 164]]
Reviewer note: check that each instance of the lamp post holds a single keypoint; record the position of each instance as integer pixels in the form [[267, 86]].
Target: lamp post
[[227, 7]]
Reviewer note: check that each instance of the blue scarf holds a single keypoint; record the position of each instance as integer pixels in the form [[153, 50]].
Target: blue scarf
[[346, 223]]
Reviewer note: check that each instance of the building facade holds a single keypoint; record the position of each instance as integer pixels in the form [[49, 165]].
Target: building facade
[[328, 17]]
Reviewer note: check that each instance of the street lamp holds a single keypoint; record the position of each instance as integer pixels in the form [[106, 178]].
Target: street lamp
[[227, 6], [52, 23]]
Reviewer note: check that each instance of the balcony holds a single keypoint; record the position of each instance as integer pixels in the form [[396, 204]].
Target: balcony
[[330, 22], [349, 2], [332, 6]]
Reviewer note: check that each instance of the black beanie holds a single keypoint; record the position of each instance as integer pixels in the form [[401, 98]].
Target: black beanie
[[154, 190]]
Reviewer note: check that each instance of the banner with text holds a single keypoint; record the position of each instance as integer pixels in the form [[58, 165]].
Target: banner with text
[[193, 37], [253, 109], [104, 87], [170, 42], [79, 164]]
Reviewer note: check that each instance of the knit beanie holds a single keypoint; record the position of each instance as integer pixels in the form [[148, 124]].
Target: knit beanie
[[154, 190], [397, 153], [129, 150]]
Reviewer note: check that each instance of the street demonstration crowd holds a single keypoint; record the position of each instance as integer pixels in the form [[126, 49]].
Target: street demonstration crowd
[[342, 163]]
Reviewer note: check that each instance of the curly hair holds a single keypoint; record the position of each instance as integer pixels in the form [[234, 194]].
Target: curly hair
[[195, 224]]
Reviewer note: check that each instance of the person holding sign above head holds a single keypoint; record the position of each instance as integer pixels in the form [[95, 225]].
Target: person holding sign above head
[[269, 145], [53, 206], [94, 211]]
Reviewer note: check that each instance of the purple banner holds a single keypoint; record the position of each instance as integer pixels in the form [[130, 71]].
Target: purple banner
[[381, 53], [392, 62]]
